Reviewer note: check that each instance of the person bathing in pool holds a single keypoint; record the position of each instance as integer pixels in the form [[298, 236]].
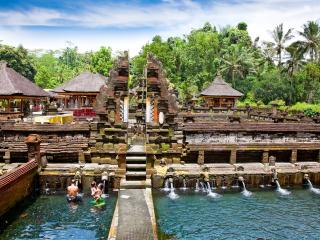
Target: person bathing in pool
[[73, 192], [93, 188], [98, 193]]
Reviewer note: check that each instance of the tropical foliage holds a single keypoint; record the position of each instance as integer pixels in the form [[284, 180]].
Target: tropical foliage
[[286, 68]]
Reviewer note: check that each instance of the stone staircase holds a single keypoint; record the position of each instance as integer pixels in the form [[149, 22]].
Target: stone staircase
[[136, 162], [136, 167]]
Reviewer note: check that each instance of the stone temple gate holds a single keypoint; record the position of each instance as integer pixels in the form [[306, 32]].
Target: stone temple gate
[[133, 133]]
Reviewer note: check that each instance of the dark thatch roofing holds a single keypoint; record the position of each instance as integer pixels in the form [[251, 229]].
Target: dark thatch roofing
[[14, 84], [219, 88], [85, 82]]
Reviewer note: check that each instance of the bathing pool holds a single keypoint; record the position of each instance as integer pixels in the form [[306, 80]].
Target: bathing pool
[[51, 217], [264, 215]]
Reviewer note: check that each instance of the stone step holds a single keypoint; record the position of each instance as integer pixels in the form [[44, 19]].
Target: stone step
[[142, 153], [136, 148], [136, 173], [136, 158], [135, 184], [136, 166]]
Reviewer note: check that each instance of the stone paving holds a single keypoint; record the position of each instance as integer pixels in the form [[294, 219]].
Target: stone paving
[[134, 220]]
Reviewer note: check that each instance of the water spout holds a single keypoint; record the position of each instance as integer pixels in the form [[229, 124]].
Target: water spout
[[172, 195], [105, 178], [311, 188], [184, 184], [203, 187], [47, 189], [77, 178], [210, 193], [223, 186], [197, 186], [281, 190], [166, 185], [213, 184], [244, 192]]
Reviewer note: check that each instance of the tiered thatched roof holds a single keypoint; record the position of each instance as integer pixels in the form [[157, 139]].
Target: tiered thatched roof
[[219, 88], [86, 82], [14, 84]]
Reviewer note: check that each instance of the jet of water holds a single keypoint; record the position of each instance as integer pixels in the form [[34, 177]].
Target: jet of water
[[313, 189], [166, 185], [184, 185], [245, 192], [281, 190], [172, 195], [104, 195], [212, 194], [197, 186]]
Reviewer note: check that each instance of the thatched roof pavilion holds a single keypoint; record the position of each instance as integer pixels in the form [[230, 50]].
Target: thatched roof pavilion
[[81, 91], [14, 84], [220, 94], [16, 91]]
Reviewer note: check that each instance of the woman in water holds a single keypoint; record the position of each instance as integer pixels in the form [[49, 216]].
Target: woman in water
[[93, 188], [98, 192]]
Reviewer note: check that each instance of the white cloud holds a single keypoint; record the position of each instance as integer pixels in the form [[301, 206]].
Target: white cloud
[[167, 18]]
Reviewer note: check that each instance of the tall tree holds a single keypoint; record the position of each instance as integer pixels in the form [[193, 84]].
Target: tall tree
[[47, 66], [280, 38], [237, 62], [19, 59], [311, 39], [295, 60], [102, 61]]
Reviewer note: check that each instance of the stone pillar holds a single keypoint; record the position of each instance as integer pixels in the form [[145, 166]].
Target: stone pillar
[[149, 165], [33, 144], [201, 157], [265, 156], [233, 156], [121, 159], [293, 156]]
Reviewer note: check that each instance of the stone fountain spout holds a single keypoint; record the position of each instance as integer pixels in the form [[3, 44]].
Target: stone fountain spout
[[274, 175], [105, 180], [77, 177]]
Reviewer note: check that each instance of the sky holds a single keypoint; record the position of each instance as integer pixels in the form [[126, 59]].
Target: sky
[[128, 25]]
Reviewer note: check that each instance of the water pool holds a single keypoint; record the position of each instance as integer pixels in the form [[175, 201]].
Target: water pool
[[51, 217], [265, 215]]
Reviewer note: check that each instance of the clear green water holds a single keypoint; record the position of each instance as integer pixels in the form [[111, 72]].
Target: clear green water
[[265, 215], [51, 217]]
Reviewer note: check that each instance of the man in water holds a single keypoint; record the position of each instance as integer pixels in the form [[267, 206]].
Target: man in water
[[73, 192]]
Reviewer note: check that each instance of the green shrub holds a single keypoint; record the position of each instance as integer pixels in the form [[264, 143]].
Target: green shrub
[[302, 107]]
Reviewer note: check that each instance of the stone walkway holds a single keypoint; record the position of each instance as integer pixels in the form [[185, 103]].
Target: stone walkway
[[134, 219]]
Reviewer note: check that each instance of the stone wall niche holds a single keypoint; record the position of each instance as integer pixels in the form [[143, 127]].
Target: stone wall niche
[[249, 156], [217, 156]]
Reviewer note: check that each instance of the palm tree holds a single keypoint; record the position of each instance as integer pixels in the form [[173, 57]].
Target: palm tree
[[268, 52], [280, 38], [295, 60], [294, 63], [238, 61], [311, 42]]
